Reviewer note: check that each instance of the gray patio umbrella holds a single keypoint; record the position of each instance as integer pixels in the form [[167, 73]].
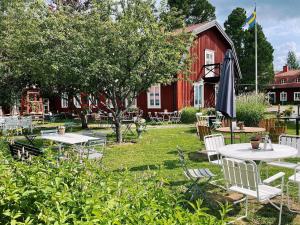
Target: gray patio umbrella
[[226, 95]]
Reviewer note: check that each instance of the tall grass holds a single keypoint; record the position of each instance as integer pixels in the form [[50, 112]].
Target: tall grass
[[250, 108]]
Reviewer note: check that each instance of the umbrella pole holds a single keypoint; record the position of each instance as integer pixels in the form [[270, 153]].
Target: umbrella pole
[[231, 131]]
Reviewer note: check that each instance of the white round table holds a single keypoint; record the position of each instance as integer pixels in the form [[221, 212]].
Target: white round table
[[244, 151]]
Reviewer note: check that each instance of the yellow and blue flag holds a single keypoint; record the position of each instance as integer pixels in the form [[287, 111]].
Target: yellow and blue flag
[[250, 21]]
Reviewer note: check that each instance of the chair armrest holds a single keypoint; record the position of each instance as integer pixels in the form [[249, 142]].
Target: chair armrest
[[274, 177]]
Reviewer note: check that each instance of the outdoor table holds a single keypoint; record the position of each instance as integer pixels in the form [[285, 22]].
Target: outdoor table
[[164, 114], [245, 130], [77, 140], [244, 151]]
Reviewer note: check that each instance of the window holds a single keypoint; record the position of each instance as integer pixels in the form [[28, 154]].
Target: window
[[282, 81], [76, 102], [93, 101], [283, 96], [134, 103], [64, 100], [297, 80], [198, 94], [154, 97], [109, 103], [296, 96], [209, 59]]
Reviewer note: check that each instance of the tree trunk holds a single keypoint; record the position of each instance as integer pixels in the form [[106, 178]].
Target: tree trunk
[[84, 121], [118, 130]]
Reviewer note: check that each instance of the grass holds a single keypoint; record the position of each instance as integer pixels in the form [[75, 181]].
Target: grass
[[156, 151]]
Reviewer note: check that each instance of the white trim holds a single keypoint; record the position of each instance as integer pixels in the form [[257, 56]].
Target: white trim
[[295, 95], [283, 81], [133, 105], [76, 103], [283, 96], [93, 100], [149, 106], [207, 72], [64, 103], [197, 85]]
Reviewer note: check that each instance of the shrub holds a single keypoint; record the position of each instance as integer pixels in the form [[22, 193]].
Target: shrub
[[250, 108], [73, 193], [189, 115]]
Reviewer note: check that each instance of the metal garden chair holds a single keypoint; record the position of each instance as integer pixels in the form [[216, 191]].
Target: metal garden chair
[[295, 178], [217, 123], [195, 175], [290, 140], [212, 143], [243, 177]]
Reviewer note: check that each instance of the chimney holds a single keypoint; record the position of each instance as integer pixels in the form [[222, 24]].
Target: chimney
[[285, 68]]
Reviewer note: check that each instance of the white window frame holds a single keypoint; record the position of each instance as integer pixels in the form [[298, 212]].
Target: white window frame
[[296, 98], [272, 93], [197, 85], [155, 106], [133, 105], [76, 103], [64, 103], [209, 73], [297, 80], [282, 81], [93, 100], [283, 96]]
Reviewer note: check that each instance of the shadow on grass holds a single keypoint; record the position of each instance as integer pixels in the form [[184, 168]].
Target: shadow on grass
[[144, 167], [268, 212]]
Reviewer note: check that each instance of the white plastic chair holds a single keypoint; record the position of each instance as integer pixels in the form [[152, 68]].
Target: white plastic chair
[[289, 140], [243, 177], [295, 178], [212, 144]]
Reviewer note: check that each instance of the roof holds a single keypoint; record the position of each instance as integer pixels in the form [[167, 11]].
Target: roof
[[201, 27], [289, 74]]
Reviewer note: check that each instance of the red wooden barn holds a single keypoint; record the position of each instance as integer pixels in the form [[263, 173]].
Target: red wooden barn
[[285, 88], [210, 45]]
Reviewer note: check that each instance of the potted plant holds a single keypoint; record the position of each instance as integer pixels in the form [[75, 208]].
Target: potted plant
[[255, 141], [61, 130]]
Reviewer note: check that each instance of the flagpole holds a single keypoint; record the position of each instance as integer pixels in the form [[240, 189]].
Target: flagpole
[[256, 81]]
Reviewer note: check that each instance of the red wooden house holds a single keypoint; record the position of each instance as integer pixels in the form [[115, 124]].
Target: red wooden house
[[210, 45], [285, 88]]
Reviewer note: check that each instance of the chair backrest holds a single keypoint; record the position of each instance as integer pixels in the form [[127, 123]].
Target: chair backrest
[[203, 120], [95, 143], [219, 116], [242, 174], [11, 122], [290, 140], [213, 142], [49, 132], [203, 131]]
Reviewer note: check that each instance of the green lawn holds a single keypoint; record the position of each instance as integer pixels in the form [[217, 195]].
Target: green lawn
[[156, 151]]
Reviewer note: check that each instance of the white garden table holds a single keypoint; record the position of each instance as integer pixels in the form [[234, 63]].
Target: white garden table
[[244, 151], [77, 140]]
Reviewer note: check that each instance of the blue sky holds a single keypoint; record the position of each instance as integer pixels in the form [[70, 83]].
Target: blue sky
[[280, 20]]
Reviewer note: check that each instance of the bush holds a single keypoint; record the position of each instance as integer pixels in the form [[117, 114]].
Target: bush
[[250, 108], [189, 115], [73, 193]]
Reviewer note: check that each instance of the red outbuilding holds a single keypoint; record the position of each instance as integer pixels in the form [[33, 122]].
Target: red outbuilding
[[285, 88], [209, 48]]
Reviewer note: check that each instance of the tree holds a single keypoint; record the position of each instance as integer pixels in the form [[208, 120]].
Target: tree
[[244, 42], [292, 61], [194, 11], [123, 67]]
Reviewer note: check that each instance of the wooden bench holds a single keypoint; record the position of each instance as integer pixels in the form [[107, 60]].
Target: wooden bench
[[23, 151]]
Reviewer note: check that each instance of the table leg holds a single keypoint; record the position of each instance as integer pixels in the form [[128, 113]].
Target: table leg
[[297, 126]]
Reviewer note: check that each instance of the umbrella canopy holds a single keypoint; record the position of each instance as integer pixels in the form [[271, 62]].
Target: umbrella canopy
[[226, 95]]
